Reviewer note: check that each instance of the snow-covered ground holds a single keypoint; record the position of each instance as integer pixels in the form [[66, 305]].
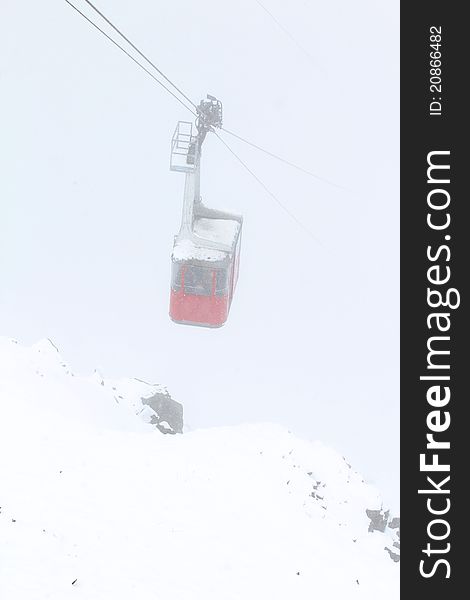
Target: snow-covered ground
[[97, 504]]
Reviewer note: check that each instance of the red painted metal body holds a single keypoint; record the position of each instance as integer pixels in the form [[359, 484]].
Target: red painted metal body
[[209, 311], [202, 295]]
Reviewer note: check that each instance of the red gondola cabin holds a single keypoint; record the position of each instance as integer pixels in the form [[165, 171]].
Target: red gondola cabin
[[206, 251], [203, 279]]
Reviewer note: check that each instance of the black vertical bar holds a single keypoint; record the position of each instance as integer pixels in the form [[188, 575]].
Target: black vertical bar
[[434, 119]]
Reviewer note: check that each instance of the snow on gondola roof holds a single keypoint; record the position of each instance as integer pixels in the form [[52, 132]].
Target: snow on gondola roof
[[218, 231], [223, 231], [185, 249]]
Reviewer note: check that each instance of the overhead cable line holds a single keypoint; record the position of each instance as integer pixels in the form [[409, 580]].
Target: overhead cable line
[[287, 162], [289, 35], [177, 88], [266, 189], [139, 52], [271, 194], [131, 57]]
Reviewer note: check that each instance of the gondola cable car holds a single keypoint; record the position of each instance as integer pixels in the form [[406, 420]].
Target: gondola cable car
[[206, 251]]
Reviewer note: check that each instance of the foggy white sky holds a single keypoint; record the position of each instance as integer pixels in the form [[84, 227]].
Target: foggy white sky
[[89, 208]]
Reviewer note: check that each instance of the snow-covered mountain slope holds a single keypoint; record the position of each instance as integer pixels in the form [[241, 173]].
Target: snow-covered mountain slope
[[97, 504]]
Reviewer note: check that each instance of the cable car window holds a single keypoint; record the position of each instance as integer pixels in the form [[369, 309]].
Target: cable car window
[[221, 282], [198, 281], [176, 272]]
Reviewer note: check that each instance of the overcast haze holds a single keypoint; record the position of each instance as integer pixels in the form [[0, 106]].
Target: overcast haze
[[89, 207]]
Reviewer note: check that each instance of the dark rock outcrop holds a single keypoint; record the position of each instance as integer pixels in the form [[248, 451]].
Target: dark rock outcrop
[[168, 417], [395, 557], [378, 519]]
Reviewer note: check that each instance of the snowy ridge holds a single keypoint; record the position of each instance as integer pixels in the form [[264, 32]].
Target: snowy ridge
[[97, 504], [86, 399]]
